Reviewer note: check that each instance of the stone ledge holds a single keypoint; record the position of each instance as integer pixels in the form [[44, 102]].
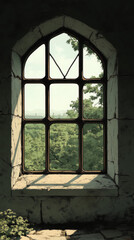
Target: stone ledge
[[65, 185]]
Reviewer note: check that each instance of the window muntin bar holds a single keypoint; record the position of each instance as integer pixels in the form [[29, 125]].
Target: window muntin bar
[[80, 120]]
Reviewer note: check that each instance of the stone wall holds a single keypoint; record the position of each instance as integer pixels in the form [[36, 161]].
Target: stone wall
[[109, 26]]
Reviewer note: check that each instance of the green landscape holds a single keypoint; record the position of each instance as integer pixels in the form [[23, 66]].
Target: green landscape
[[64, 143], [64, 138]]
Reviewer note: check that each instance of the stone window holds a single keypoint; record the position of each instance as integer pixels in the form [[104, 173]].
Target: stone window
[[64, 106], [79, 183]]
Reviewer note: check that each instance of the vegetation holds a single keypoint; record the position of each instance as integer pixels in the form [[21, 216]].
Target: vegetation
[[13, 226], [64, 143]]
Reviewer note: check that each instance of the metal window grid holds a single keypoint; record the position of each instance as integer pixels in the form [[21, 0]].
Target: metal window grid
[[80, 121]]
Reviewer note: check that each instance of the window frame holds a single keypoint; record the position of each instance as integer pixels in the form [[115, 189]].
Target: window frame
[[80, 81]]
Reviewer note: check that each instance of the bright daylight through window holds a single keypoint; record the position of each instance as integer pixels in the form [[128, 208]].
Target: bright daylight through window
[[64, 106]]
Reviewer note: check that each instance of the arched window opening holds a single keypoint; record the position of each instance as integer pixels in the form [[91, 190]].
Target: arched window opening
[[64, 106]]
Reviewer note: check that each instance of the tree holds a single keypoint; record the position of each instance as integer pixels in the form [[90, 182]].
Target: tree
[[34, 147], [64, 145], [75, 45], [92, 133]]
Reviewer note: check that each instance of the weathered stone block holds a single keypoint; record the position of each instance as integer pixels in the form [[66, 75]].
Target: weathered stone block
[[53, 24], [27, 41], [26, 207], [64, 185], [16, 65], [16, 98], [78, 26], [15, 174], [16, 141], [112, 98], [76, 209], [112, 147], [50, 233], [112, 65], [103, 45], [111, 169]]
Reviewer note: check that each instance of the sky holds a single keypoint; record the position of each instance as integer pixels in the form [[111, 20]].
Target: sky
[[61, 95]]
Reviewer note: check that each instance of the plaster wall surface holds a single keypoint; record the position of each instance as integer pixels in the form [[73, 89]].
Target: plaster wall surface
[[22, 24]]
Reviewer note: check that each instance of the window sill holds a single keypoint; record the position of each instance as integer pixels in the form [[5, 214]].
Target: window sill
[[65, 185]]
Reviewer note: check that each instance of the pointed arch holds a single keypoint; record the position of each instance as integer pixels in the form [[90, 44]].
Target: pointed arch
[[19, 50]]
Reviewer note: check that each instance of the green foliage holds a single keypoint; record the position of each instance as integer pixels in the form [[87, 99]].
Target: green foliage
[[75, 45], [93, 147], [64, 147], [96, 92], [12, 226], [64, 144], [34, 147], [92, 133]]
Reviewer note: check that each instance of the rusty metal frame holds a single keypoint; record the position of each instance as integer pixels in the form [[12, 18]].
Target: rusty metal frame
[[80, 81]]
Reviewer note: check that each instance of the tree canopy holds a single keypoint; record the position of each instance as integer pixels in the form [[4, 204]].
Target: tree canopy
[[64, 138]]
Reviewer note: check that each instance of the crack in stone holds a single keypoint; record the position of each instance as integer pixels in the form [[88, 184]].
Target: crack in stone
[[112, 76], [9, 114], [25, 181], [17, 165], [15, 76], [16, 52], [99, 35], [91, 35], [40, 32], [15, 182], [19, 179]]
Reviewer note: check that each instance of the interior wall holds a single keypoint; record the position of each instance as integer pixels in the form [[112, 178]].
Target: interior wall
[[113, 21]]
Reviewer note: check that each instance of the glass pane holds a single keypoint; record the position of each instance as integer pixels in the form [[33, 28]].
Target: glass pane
[[34, 145], [64, 100], [64, 152], [93, 101], [92, 65], [63, 52], [34, 101], [93, 147], [35, 64]]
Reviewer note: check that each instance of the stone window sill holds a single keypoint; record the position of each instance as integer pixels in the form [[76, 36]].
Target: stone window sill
[[65, 185]]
